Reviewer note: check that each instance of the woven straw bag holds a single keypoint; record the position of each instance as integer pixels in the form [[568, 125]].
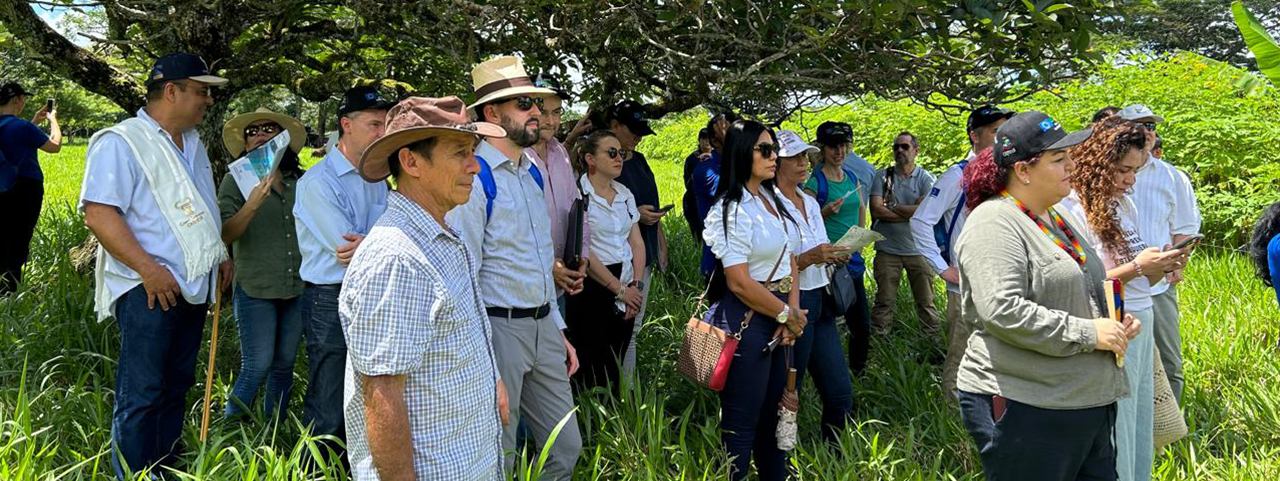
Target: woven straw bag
[[1170, 426]]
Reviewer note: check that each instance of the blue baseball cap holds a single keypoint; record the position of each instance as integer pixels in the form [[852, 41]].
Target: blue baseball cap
[[180, 66], [366, 97]]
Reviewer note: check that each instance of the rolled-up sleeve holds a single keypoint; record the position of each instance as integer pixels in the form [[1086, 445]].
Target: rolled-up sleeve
[[731, 241], [995, 269], [387, 305]]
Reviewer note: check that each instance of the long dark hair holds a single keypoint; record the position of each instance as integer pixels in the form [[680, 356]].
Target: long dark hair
[[1266, 228], [736, 164]]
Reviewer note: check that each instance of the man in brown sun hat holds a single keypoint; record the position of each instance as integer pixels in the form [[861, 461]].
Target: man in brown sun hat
[[423, 398], [506, 224]]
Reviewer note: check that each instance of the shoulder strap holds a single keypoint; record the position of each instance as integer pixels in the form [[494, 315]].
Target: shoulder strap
[[537, 175], [823, 186], [491, 187], [959, 207]]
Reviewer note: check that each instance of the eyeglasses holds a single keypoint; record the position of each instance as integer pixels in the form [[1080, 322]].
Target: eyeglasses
[[901, 146], [766, 150], [525, 103], [1149, 126], [556, 112], [613, 152], [266, 129], [204, 91]]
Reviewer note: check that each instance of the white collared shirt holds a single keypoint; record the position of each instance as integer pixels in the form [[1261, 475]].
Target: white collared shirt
[[113, 177], [1164, 196], [514, 243], [940, 206], [751, 236], [611, 224], [808, 232]]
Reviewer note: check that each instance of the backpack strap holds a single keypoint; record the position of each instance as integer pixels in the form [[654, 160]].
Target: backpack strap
[[491, 187], [824, 187]]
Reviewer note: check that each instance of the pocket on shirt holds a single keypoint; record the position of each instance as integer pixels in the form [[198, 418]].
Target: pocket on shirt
[[1054, 271]]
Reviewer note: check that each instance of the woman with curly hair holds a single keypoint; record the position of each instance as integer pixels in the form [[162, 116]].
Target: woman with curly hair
[[1264, 247], [1038, 383], [1106, 168]]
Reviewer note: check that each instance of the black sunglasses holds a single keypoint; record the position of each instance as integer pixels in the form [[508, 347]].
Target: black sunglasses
[[613, 152], [902, 146], [253, 130], [767, 150], [1150, 126], [525, 103]]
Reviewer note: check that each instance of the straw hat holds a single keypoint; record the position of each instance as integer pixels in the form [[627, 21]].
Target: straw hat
[[418, 118], [233, 130], [503, 77]]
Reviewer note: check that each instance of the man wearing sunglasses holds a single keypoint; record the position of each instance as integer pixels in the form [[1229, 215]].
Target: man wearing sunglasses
[[1169, 214], [507, 225], [334, 209], [895, 194]]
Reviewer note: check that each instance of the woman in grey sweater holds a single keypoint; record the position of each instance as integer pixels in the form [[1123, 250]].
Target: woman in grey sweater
[[1039, 380]]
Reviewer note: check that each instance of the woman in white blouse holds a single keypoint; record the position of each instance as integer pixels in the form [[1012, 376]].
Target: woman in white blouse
[[747, 231], [598, 319], [1106, 167], [819, 349]]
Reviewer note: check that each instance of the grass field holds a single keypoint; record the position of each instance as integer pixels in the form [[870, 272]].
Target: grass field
[[57, 374]]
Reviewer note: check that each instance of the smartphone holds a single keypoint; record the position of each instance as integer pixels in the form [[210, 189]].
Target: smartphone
[[1189, 241], [666, 207], [48, 105]]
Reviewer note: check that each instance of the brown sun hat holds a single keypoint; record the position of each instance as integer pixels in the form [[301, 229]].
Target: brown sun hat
[[418, 118]]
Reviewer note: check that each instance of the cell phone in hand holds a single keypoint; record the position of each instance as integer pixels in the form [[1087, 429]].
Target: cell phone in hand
[[666, 207], [48, 105], [1190, 240]]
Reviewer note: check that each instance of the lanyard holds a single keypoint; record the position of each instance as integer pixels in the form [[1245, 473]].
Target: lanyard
[[1077, 253]]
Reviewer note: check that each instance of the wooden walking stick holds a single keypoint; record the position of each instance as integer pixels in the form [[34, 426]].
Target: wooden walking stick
[[213, 353]]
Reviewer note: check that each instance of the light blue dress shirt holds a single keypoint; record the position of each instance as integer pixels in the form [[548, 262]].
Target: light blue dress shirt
[[333, 200], [113, 177]]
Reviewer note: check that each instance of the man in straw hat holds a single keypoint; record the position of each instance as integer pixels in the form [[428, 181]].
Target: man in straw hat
[[506, 224], [411, 313], [335, 209], [148, 197]]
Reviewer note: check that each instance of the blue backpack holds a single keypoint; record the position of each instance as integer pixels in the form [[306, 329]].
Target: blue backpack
[[824, 187], [943, 229], [491, 187]]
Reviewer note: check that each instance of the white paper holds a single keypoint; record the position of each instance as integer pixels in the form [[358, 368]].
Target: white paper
[[248, 171], [858, 238]]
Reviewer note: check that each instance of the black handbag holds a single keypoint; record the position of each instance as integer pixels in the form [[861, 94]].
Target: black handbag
[[841, 287], [573, 232]]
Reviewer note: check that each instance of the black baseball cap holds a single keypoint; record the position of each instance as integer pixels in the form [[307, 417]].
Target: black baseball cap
[[834, 133], [9, 90], [366, 97], [986, 115], [631, 114], [179, 66], [546, 81], [1029, 133]]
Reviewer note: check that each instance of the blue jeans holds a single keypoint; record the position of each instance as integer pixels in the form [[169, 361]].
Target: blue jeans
[[326, 362], [155, 370], [749, 401], [858, 318], [819, 351], [270, 331]]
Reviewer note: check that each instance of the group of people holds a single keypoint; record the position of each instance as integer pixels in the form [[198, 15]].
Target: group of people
[[453, 317]]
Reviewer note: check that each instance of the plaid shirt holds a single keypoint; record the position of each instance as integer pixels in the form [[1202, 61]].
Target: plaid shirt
[[409, 306]]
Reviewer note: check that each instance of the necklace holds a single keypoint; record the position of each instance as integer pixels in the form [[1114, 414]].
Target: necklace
[[1076, 251]]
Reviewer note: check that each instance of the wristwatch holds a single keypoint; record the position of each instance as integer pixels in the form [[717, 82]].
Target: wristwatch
[[782, 316]]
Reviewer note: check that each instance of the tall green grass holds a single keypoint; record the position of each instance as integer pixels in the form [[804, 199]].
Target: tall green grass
[[57, 372]]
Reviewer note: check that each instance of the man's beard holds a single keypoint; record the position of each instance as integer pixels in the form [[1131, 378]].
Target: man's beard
[[519, 134]]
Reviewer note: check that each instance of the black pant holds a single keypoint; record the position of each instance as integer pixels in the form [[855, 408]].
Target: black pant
[[19, 212], [1028, 442], [598, 332], [858, 319]]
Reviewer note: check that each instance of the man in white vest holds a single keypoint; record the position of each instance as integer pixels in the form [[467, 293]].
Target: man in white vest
[[148, 196]]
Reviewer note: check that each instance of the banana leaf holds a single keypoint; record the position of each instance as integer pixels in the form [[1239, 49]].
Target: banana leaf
[[1262, 44]]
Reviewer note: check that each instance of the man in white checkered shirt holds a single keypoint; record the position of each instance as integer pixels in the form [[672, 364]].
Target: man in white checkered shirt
[[423, 396]]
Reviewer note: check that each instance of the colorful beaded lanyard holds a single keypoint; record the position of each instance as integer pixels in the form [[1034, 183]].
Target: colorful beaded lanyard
[[1077, 254]]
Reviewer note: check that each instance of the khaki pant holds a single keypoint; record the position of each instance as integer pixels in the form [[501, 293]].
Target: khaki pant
[[958, 332], [887, 269]]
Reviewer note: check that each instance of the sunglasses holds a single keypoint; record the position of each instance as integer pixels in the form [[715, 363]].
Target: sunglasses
[[766, 150], [1149, 126], [267, 129], [525, 103], [614, 152], [901, 146]]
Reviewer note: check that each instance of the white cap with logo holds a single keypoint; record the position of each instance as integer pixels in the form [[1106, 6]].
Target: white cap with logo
[[790, 144]]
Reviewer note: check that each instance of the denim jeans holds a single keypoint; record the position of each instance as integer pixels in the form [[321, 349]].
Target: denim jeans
[[858, 318], [819, 352], [156, 369], [749, 401], [1028, 442], [326, 362], [270, 331]]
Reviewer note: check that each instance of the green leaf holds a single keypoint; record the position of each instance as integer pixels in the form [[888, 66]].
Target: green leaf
[[1261, 43]]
